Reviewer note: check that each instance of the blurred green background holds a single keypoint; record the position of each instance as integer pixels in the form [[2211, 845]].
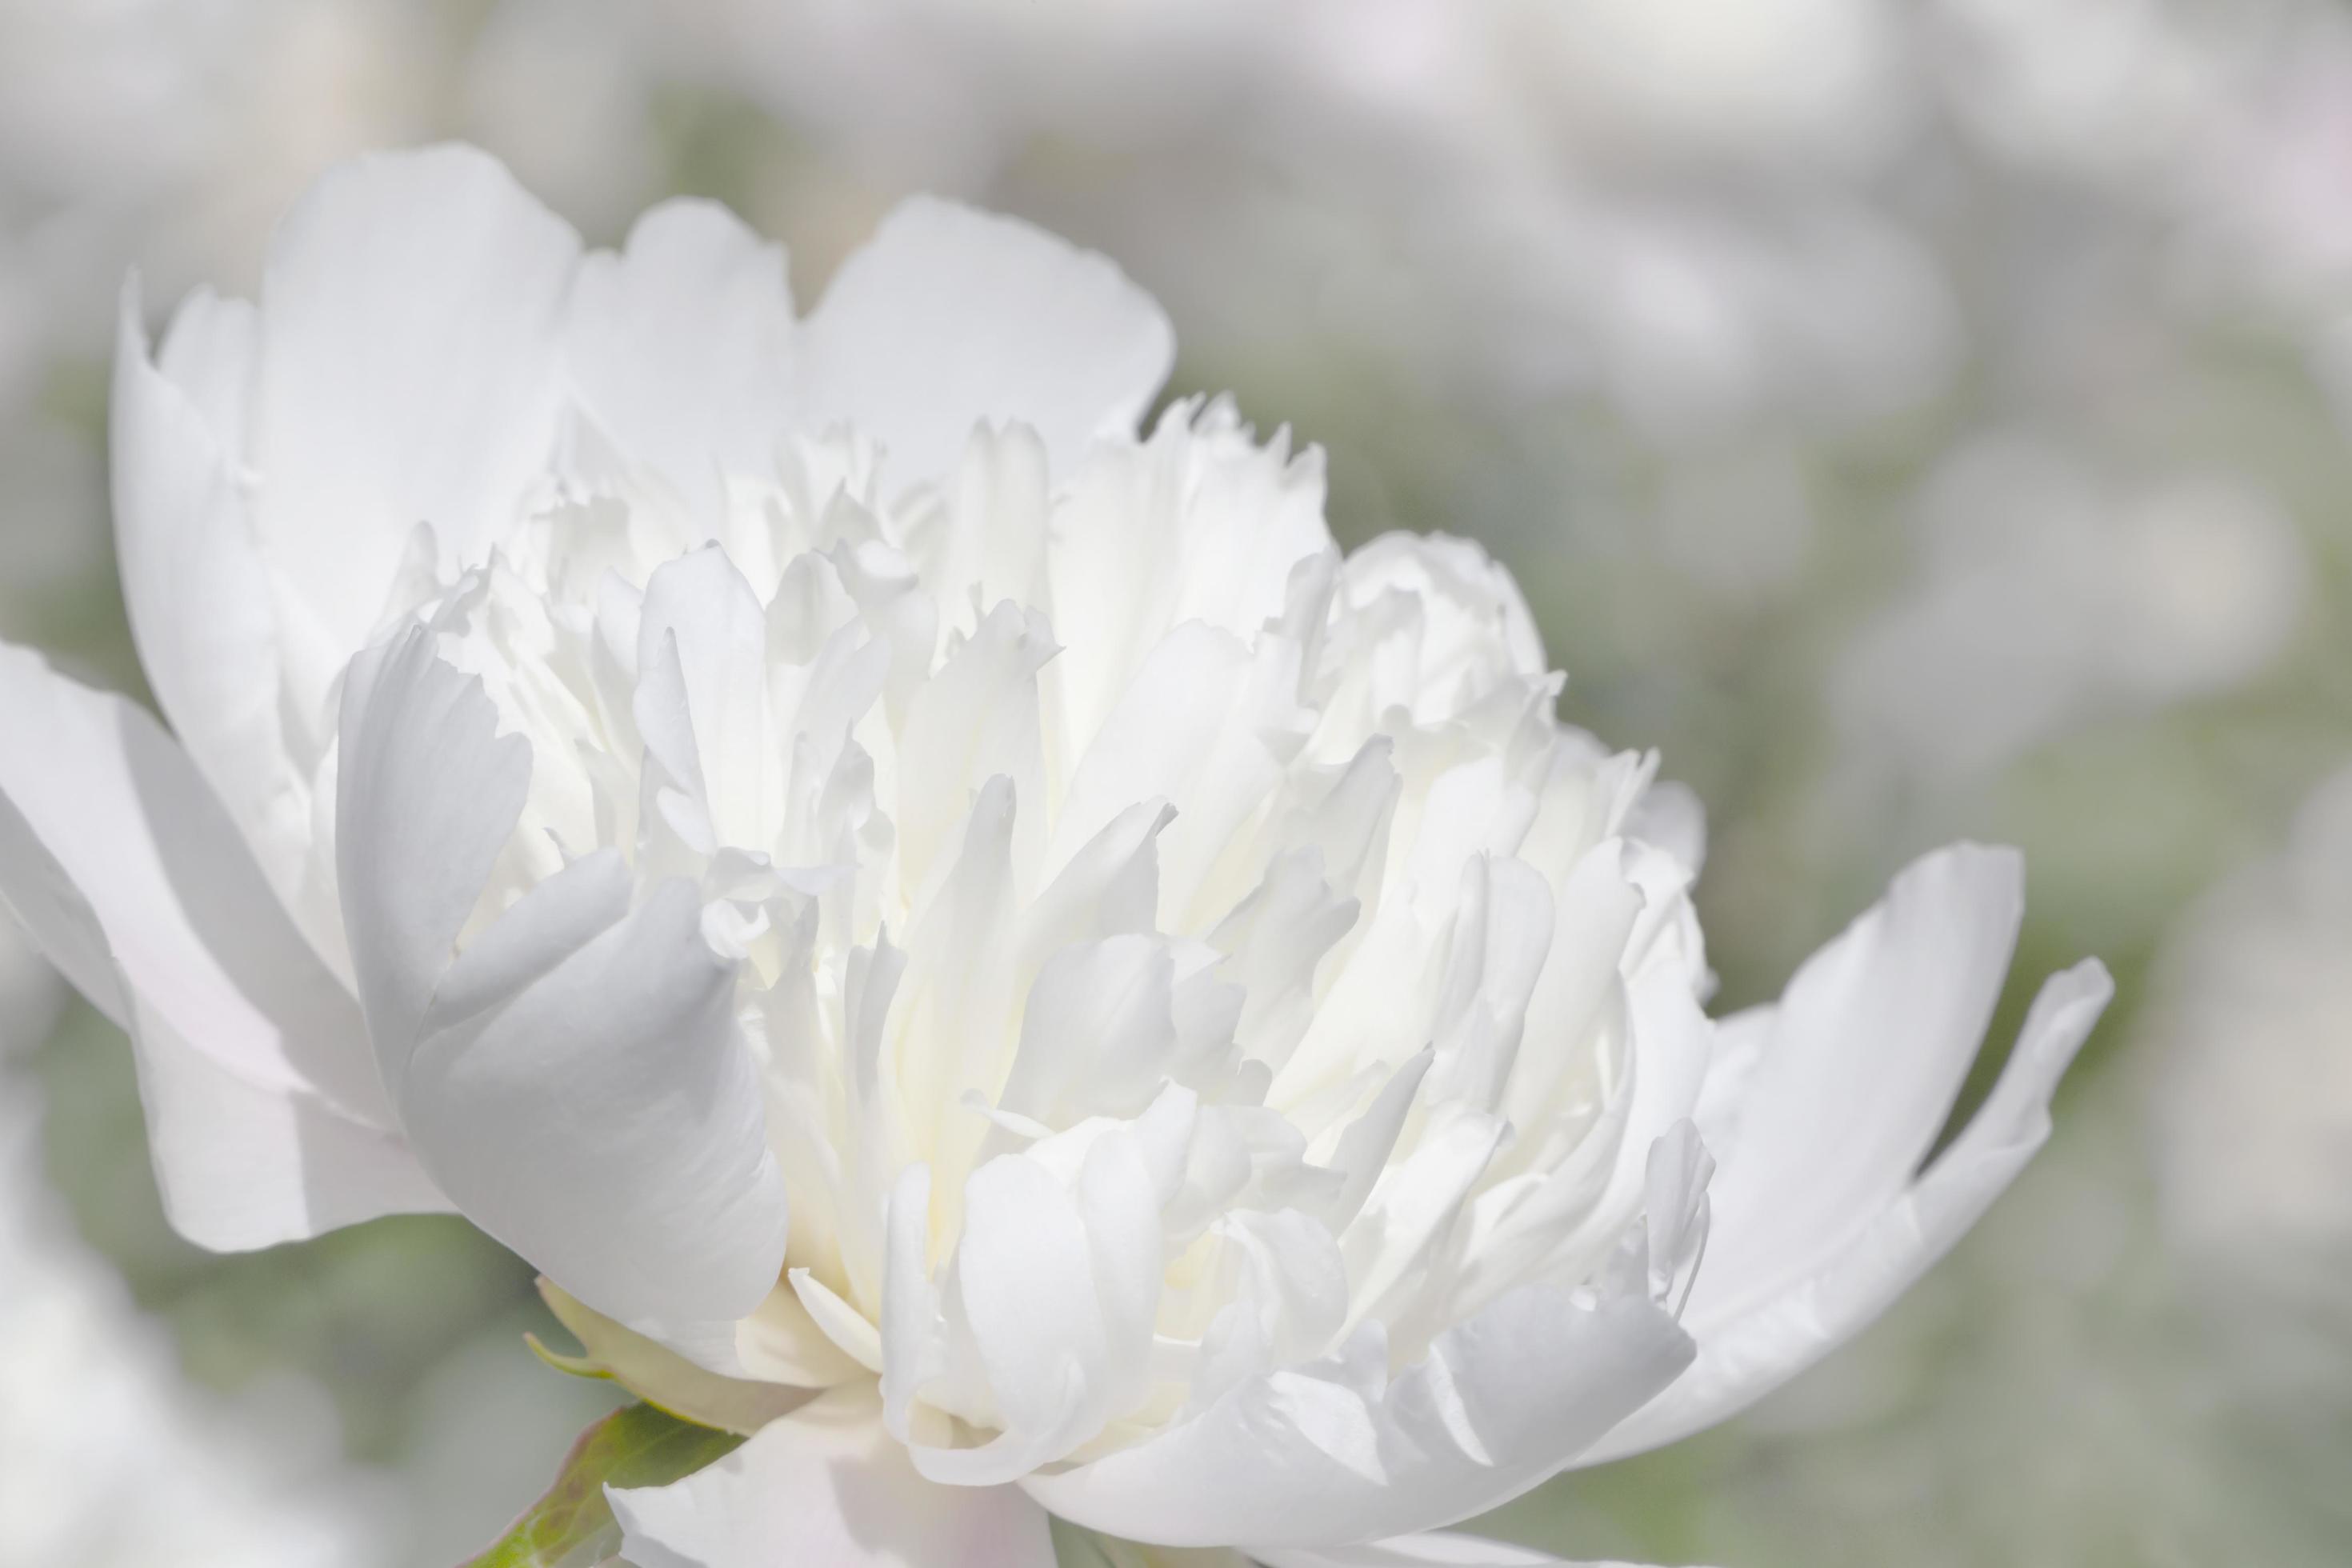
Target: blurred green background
[[1917, 420]]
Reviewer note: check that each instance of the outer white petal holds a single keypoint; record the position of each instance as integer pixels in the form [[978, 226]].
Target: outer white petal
[[1424, 1552], [1327, 1453], [410, 369], [682, 346], [263, 1112], [828, 1485], [1867, 1049], [193, 583], [573, 1078], [947, 317], [427, 796], [1745, 1356]]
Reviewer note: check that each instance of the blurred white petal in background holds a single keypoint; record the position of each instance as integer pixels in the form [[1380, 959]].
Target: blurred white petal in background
[[108, 1459], [2048, 593], [2253, 1084]]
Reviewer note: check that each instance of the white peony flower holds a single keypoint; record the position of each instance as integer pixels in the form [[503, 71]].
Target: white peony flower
[[875, 880]]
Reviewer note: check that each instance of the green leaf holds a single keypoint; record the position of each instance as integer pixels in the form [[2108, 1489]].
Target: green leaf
[[572, 1527]]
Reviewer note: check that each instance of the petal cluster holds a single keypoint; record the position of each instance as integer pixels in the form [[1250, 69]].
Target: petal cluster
[[879, 878]]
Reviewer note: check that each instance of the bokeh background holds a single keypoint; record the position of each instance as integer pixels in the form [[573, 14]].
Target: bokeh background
[[1918, 418]]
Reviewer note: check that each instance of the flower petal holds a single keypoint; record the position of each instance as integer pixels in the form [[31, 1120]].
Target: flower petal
[[1743, 1357], [412, 314], [1155, 740], [427, 793], [573, 1077], [721, 740], [662, 1378], [681, 346], [605, 1121], [264, 1112], [947, 317], [241, 1166], [828, 1484], [1322, 1452], [1867, 1052], [193, 584]]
